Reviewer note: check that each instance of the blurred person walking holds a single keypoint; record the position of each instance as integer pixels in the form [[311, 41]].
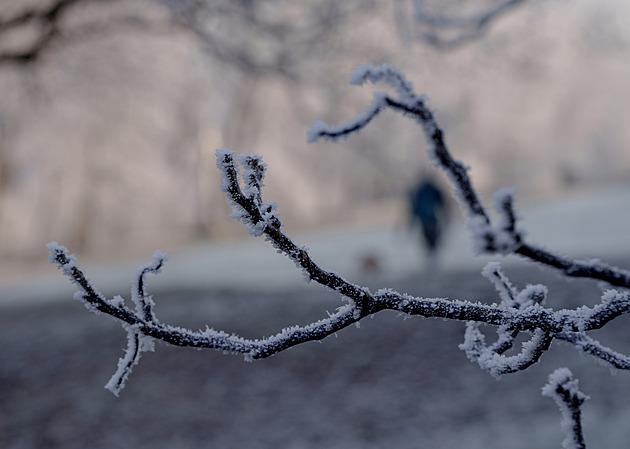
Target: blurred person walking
[[428, 209]]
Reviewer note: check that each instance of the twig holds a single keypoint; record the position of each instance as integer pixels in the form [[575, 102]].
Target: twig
[[563, 389], [465, 29]]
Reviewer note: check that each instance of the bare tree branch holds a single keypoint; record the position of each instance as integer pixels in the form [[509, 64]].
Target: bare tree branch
[[230, 31], [47, 20], [447, 32], [250, 24]]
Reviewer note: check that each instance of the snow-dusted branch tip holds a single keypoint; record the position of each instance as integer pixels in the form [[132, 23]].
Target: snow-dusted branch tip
[[137, 343], [563, 389]]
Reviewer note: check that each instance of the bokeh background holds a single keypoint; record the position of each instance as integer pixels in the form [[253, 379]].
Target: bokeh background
[[110, 114], [108, 130]]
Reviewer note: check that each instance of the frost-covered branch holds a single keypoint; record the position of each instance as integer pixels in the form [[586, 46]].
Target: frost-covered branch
[[563, 389], [502, 238], [518, 310], [492, 358], [596, 349], [521, 313], [260, 217]]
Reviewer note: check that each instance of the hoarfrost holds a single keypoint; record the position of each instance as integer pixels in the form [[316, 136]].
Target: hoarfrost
[[563, 389], [143, 302], [332, 132], [391, 75], [137, 343], [507, 292]]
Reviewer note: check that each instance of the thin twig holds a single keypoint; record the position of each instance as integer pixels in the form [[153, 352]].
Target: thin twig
[[563, 389]]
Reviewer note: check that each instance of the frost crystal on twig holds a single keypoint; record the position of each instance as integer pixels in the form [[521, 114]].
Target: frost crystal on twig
[[137, 343], [144, 302], [492, 358], [563, 389]]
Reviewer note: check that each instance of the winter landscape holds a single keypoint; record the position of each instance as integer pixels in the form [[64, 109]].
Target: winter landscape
[[398, 289]]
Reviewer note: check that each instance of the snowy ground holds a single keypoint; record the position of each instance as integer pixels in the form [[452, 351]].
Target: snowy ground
[[391, 383]]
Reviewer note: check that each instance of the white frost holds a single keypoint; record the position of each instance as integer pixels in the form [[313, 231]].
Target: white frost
[[391, 75], [562, 384], [319, 129]]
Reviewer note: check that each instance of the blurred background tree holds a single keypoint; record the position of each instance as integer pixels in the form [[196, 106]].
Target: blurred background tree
[[111, 110]]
